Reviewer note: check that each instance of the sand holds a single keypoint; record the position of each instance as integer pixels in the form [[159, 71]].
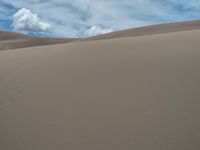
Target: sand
[[11, 40], [130, 93], [149, 30]]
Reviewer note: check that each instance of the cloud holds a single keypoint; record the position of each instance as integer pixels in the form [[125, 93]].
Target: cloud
[[97, 30], [70, 17], [25, 20]]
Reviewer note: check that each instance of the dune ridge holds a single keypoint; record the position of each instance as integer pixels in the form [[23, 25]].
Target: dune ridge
[[149, 30], [12, 40]]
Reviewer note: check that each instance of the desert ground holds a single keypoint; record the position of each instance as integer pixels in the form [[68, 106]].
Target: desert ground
[[136, 89]]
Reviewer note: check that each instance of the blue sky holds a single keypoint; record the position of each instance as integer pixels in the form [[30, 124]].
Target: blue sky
[[82, 18]]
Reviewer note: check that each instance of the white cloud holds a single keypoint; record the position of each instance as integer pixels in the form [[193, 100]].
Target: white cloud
[[25, 20], [70, 17], [97, 30]]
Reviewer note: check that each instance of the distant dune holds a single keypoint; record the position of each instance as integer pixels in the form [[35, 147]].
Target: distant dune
[[149, 30], [123, 92], [11, 40]]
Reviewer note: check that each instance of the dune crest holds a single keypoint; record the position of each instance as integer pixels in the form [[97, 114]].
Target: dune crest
[[149, 30], [12, 40]]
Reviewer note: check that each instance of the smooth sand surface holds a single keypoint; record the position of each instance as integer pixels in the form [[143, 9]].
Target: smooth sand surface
[[134, 93], [11, 40]]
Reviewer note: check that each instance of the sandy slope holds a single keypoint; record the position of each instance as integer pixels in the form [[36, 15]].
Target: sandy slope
[[11, 40], [5, 35], [148, 30], [136, 93]]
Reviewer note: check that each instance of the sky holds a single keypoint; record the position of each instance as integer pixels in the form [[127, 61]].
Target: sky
[[85, 18]]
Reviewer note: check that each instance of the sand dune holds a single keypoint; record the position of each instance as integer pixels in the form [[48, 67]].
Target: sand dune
[[131, 93], [148, 30], [11, 40], [5, 35]]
